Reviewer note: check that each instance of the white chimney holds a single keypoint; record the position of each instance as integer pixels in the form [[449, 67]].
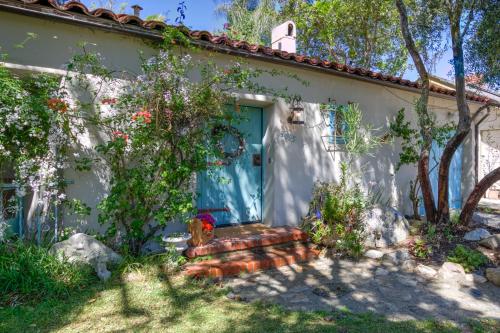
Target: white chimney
[[283, 37]]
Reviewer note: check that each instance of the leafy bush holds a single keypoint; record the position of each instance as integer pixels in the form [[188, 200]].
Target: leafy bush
[[420, 249], [150, 184], [29, 273], [470, 259], [335, 216]]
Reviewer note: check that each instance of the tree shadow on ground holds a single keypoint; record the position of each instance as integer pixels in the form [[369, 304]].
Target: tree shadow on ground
[[166, 302], [330, 284]]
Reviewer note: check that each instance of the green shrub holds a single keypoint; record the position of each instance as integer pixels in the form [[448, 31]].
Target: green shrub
[[421, 249], [29, 274], [470, 259], [335, 216]]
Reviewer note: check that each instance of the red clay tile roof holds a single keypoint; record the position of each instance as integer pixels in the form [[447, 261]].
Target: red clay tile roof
[[244, 47]]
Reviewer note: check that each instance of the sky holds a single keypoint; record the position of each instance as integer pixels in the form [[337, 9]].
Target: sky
[[200, 15]]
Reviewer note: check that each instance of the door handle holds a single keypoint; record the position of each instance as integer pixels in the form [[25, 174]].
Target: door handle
[[257, 159]]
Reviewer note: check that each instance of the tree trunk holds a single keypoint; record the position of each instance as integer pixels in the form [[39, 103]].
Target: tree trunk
[[464, 121], [444, 172], [476, 195], [426, 187], [415, 200], [423, 114]]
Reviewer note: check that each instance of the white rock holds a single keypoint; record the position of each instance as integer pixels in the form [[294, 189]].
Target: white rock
[[493, 275], [88, 250], [374, 254], [426, 272], [475, 278], [385, 226], [452, 273], [477, 234], [492, 242]]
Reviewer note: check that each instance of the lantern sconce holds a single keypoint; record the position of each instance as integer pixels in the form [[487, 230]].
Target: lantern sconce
[[296, 116]]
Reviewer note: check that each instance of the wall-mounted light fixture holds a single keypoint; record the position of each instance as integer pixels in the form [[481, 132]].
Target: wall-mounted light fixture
[[296, 115]]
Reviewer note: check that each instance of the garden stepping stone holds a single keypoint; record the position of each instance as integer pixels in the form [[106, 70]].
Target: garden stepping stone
[[374, 254], [397, 257], [425, 271], [381, 271]]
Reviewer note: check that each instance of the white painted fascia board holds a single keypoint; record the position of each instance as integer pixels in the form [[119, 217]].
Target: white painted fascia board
[[33, 69]]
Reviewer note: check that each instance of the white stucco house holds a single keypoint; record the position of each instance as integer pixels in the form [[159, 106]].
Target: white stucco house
[[286, 158]]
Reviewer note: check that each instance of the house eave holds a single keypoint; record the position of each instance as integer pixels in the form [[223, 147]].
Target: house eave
[[127, 29]]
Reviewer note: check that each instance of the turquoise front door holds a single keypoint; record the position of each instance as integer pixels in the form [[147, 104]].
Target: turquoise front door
[[455, 177], [232, 193]]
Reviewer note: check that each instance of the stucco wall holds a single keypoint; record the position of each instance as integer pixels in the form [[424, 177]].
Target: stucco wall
[[489, 150], [295, 156]]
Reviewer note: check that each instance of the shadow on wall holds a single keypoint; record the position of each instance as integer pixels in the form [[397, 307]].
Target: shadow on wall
[[89, 186], [302, 159]]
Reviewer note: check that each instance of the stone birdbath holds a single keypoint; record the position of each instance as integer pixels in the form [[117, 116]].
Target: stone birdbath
[[177, 241]]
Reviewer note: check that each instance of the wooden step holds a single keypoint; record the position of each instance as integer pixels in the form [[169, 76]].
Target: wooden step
[[249, 261], [271, 236]]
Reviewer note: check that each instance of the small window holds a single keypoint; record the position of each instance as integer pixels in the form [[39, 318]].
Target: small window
[[290, 29], [337, 126], [279, 46]]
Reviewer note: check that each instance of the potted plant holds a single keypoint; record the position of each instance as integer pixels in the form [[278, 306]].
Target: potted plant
[[202, 229], [177, 241]]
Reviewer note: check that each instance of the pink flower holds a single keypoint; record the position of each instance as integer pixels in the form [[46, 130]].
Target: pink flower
[[120, 135], [57, 104], [108, 101], [144, 115]]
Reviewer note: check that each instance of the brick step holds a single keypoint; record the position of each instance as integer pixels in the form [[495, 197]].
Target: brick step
[[272, 236], [249, 261]]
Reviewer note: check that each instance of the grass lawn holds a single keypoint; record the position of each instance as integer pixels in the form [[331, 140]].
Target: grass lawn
[[146, 299]]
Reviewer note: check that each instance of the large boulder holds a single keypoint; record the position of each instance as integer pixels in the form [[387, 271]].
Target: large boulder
[[493, 275], [86, 249], [477, 234], [452, 273], [492, 242], [385, 226]]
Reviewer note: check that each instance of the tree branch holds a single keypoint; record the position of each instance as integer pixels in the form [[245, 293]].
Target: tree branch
[[476, 195], [470, 17], [410, 43]]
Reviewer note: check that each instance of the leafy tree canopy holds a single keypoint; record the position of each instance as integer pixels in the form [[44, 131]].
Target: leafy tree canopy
[[361, 33], [483, 47], [250, 20]]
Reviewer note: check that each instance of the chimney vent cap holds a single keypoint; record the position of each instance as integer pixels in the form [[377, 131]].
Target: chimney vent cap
[[283, 37], [137, 10]]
